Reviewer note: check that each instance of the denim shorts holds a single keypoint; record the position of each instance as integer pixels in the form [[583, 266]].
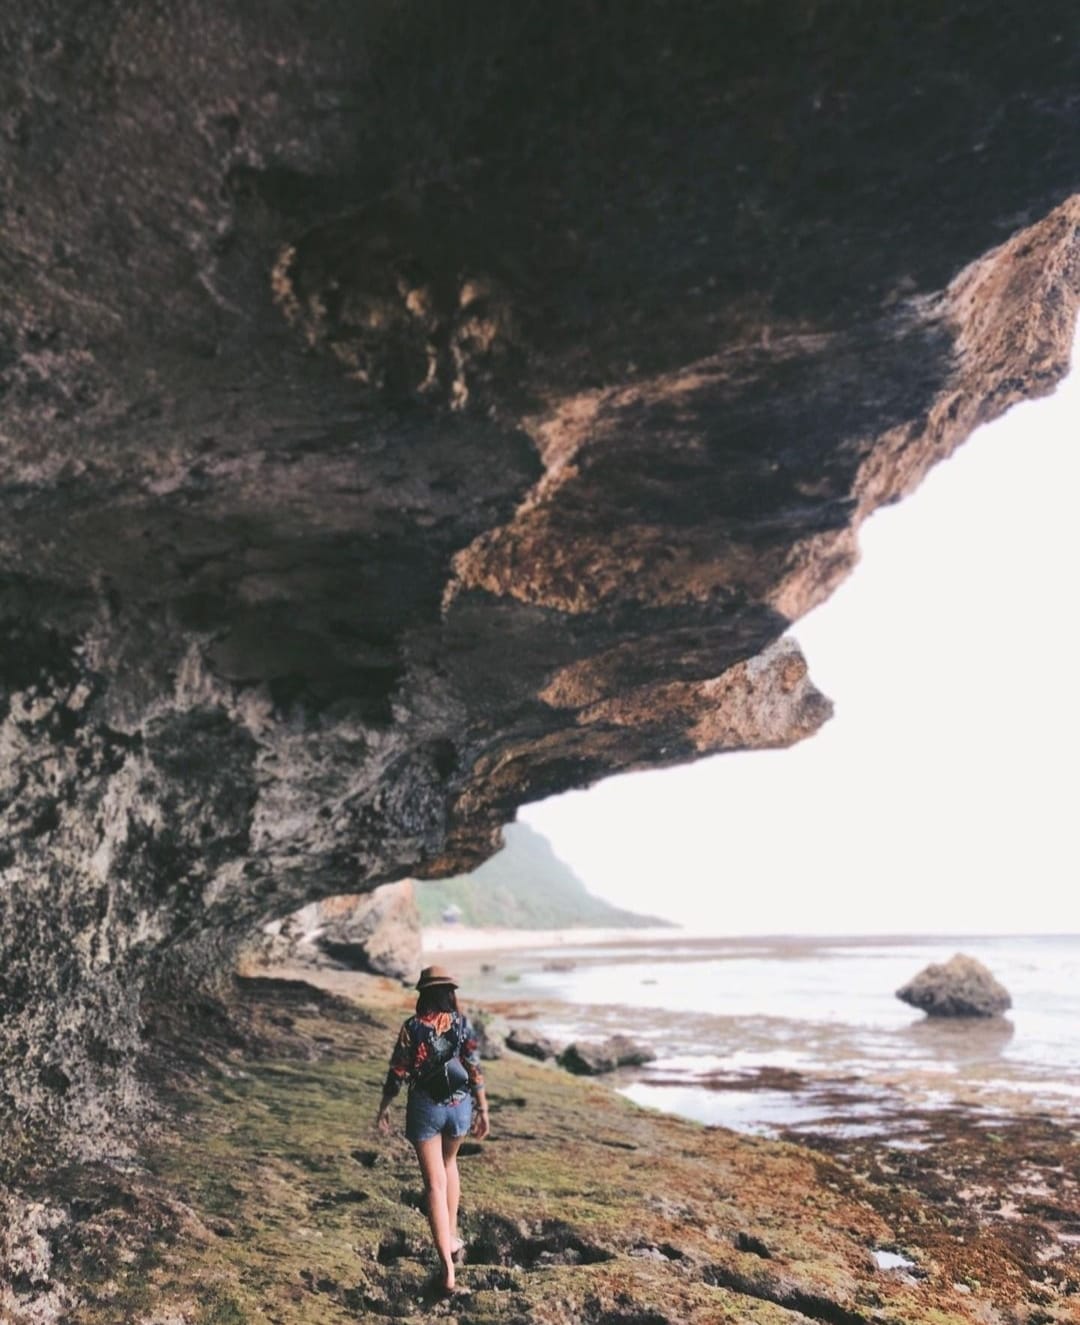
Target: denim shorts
[[425, 1119]]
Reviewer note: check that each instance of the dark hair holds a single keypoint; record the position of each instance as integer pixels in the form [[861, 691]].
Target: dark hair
[[436, 998]]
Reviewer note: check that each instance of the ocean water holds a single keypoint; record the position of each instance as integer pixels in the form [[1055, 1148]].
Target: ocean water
[[773, 1033]]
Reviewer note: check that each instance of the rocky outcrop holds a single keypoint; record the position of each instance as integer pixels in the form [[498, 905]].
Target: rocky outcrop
[[960, 987], [524, 1041], [410, 411], [377, 932], [591, 1060]]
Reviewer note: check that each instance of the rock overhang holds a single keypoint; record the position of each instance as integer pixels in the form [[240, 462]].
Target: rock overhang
[[418, 409]]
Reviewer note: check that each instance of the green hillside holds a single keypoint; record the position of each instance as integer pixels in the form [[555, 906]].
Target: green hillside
[[526, 886]]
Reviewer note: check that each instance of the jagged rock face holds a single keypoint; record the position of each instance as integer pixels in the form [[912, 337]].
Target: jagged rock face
[[28, 1232], [410, 410]]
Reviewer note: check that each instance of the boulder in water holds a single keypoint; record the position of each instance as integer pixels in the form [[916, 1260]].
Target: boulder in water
[[960, 987]]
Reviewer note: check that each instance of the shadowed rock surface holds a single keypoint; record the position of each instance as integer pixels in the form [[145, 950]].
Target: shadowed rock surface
[[410, 410], [960, 987]]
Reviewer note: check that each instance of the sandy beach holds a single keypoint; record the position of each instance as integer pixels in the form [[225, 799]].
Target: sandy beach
[[470, 939]]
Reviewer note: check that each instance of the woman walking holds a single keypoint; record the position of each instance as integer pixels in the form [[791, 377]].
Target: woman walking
[[437, 1055]]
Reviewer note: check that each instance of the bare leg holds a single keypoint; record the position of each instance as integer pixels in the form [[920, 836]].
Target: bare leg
[[430, 1155], [450, 1146]]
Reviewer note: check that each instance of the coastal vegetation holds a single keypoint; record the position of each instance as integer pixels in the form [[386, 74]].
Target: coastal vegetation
[[524, 886]]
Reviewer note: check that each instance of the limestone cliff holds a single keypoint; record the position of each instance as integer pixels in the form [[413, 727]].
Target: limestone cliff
[[413, 409]]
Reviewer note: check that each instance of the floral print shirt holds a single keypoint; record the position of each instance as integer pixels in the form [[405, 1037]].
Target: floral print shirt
[[428, 1038]]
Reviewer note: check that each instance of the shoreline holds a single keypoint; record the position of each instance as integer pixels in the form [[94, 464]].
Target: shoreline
[[267, 1197], [469, 939], [995, 1166], [763, 1073], [476, 939], [975, 1200]]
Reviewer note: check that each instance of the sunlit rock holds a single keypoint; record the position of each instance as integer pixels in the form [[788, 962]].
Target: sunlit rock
[[378, 932]]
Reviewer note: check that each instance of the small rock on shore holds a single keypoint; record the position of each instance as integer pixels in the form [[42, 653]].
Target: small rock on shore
[[593, 1059], [530, 1044]]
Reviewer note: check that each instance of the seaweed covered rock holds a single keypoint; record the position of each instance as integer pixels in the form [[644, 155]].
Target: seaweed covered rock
[[960, 987]]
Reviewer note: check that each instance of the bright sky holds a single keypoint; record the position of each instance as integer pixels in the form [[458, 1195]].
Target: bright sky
[[942, 796]]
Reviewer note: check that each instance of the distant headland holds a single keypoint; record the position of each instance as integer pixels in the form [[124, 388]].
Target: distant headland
[[525, 886]]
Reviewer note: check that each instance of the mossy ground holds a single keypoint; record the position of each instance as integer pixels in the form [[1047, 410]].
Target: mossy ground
[[270, 1199]]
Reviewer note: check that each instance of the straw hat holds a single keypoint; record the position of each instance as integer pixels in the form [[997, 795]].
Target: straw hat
[[435, 975]]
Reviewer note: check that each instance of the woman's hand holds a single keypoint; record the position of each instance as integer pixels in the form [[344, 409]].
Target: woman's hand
[[382, 1121], [480, 1124]]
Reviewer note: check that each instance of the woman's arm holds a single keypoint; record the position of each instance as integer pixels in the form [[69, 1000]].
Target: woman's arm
[[382, 1118], [398, 1071], [481, 1122], [470, 1056]]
